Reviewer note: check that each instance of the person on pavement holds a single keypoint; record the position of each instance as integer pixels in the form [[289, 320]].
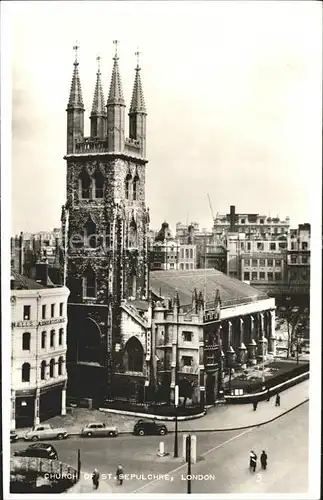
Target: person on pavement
[[95, 478], [119, 474], [255, 404], [263, 460], [252, 461], [277, 402], [268, 394]]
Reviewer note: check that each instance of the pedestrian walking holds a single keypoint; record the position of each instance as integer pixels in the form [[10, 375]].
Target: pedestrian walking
[[268, 394], [95, 478], [255, 404], [252, 461], [263, 460], [277, 402], [119, 474]]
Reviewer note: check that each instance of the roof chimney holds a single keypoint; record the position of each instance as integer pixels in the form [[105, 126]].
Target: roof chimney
[[232, 218], [42, 273]]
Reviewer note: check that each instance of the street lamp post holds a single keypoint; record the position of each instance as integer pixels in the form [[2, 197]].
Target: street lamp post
[[176, 431]]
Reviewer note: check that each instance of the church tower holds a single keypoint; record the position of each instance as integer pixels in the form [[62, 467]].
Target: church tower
[[104, 224]]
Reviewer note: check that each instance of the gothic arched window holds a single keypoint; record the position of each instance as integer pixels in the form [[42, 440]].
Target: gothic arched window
[[99, 184], [25, 372], [60, 336], [89, 283], [134, 355], [85, 185], [132, 234], [91, 236], [43, 370], [127, 186], [43, 340], [52, 338], [26, 341], [135, 187], [51, 368]]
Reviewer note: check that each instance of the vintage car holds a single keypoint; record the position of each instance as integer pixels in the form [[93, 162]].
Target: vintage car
[[45, 431], [41, 450], [143, 427], [13, 436], [99, 429]]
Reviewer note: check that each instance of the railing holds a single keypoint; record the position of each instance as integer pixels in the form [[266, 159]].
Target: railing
[[91, 145], [42, 466]]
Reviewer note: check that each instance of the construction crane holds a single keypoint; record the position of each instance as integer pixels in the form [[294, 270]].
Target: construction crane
[[210, 207]]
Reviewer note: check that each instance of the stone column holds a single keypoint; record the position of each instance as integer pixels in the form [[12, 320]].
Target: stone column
[[63, 410], [262, 341], [13, 410], [252, 346], [230, 351], [272, 330], [242, 348], [36, 407]]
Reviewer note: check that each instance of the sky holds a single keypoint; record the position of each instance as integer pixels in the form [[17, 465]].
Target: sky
[[232, 90]]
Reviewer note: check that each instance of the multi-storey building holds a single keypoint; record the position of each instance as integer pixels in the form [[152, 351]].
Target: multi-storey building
[[299, 256], [105, 224], [166, 252], [28, 248], [38, 353]]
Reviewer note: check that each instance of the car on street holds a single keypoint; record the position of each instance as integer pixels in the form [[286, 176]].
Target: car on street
[[99, 429], [144, 427], [45, 431], [39, 450], [13, 436]]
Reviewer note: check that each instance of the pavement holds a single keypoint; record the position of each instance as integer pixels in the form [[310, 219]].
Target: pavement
[[220, 418]]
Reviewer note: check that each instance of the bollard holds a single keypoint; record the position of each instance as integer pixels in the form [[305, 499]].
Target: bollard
[[184, 447], [161, 451], [193, 450]]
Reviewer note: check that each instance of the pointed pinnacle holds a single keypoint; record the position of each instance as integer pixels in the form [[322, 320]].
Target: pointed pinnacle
[[98, 106], [115, 92], [137, 101], [76, 99]]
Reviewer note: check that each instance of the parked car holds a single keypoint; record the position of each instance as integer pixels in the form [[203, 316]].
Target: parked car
[[45, 431], [143, 427], [99, 429], [13, 436], [41, 450]]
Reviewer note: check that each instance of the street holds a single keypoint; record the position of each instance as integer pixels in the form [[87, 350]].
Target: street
[[224, 454]]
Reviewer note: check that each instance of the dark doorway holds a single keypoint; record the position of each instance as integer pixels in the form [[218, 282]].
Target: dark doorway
[[209, 389], [134, 355], [89, 342]]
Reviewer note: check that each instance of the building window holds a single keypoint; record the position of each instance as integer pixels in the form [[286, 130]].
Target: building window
[[52, 310], [254, 275], [293, 259], [262, 275], [26, 341], [270, 276], [210, 360], [191, 253], [187, 360], [61, 308], [92, 240], [25, 372], [282, 245], [135, 188], [262, 262], [260, 246], [99, 184], [43, 370], [187, 336], [246, 276], [127, 184], [277, 262], [43, 312], [242, 245], [181, 265], [89, 284], [270, 262], [187, 266], [85, 184], [60, 336], [43, 340], [247, 262], [51, 368], [272, 246], [293, 245], [182, 253], [261, 221], [52, 338], [248, 246], [243, 221], [60, 365], [254, 262], [278, 276], [304, 259], [304, 245], [26, 312]]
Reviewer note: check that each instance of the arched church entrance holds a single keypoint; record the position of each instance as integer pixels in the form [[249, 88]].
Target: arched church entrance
[[134, 356], [89, 342]]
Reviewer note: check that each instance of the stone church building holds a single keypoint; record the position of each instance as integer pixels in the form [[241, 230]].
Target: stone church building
[[130, 330]]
